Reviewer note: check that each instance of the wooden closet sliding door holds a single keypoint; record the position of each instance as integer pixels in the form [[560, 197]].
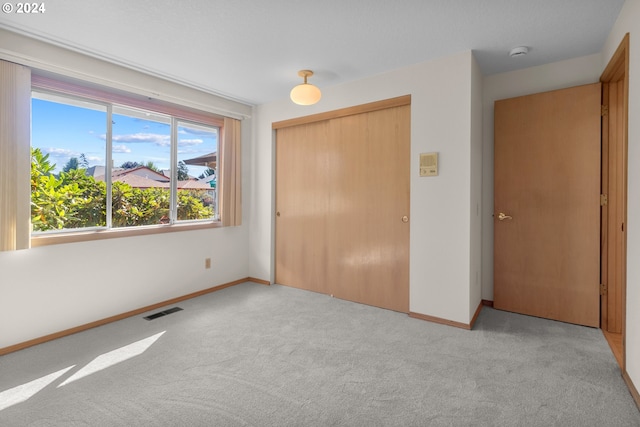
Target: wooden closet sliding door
[[302, 181], [342, 201]]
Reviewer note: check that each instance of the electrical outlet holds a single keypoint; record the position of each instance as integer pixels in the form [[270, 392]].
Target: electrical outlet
[[207, 263]]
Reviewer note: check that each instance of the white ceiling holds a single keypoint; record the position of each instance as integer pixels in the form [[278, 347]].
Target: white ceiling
[[251, 50]]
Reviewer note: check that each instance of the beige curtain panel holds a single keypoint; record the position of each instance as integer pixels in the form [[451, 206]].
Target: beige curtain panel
[[15, 140], [230, 191]]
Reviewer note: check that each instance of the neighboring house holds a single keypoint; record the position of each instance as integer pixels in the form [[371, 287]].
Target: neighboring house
[[209, 180], [99, 170], [143, 177], [141, 171], [209, 160]]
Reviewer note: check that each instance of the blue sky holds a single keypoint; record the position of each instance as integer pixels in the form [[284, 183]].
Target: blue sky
[[64, 131]]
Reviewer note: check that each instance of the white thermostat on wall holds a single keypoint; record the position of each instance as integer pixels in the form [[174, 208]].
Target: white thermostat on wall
[[428, 164]]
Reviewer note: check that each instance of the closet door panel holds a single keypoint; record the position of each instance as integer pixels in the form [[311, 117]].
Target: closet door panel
[[368, 229], [302, 160], [342, 207]]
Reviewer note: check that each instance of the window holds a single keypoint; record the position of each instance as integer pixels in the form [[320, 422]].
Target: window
[[65, 144], [97, 165], [49, 182]]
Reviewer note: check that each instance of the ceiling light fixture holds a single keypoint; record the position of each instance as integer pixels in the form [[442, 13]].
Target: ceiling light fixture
[[518, 51], [305, 93]]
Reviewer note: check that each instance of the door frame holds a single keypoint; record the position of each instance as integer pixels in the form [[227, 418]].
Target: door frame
[[616, 71]]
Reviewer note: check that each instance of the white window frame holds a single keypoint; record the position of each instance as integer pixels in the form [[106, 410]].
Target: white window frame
[[178, 114]]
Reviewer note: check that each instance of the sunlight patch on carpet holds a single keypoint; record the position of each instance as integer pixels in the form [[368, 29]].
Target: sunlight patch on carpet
[[25, 391], [111, 358]]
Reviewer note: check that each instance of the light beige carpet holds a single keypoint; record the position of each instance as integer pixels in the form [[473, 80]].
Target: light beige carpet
[[254, 355]]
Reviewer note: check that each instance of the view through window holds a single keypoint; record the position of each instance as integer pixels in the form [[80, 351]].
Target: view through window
[[111, 166]]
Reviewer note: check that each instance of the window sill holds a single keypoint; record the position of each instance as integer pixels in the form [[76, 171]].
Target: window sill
[[88, 236]]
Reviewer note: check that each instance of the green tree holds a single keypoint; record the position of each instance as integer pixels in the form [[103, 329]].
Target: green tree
[[72, 164], [191, 205], [40, 166], [152, 166], [86, 199], [84, 163], [130, 165], [183, 171], [135, 206], [72, 200], [207, 172], [43, 192], [76, 200]]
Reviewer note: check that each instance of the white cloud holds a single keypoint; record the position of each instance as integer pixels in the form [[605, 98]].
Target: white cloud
[[60, 152], [154, 138], [190, 151], [121, 149], [194, 141], [199, 132]]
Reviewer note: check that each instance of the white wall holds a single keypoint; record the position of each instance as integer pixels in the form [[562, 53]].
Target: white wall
[[49, 289], [52, 288], [629, 22], [475, 205], [441, 111], [563, 74], [47, 57]]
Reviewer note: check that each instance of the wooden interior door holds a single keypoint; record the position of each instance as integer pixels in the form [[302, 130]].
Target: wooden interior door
[[342, 191], [547, 205]]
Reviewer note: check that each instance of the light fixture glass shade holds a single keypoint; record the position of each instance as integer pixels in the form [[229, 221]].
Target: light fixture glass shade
[[305, 94]]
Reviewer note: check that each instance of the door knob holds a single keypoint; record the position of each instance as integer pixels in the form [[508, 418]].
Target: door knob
[[502, 216], [405, 219]]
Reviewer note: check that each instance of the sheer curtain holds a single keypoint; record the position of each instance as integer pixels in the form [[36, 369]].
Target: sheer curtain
[[15, 127], [230, 174]]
